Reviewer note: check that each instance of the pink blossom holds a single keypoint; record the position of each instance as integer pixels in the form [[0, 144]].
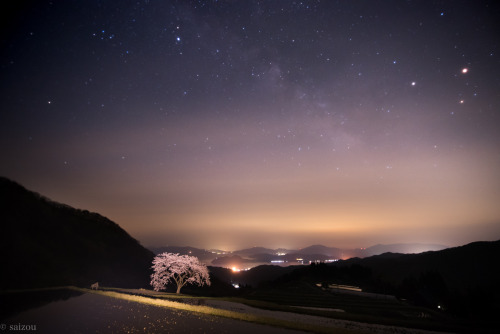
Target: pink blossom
[[182, 269]]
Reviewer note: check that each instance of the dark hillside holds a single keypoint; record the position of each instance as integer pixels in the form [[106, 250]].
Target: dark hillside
[[44, 243], [253, 277], [460, 281], [472, 266]]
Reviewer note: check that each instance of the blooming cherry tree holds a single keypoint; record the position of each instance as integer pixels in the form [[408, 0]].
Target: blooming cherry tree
[[182, 269]]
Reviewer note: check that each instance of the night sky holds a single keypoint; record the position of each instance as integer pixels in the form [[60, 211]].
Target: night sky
[[228, 124]]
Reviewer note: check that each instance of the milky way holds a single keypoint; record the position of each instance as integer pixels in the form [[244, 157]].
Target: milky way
[[274, 123]]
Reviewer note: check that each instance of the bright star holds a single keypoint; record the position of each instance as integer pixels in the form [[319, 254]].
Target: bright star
[[465, 70]]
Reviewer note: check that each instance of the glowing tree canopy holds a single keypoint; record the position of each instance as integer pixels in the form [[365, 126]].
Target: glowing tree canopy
[[182, 269]]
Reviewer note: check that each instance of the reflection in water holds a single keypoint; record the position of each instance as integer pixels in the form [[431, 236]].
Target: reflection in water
[[12, 303], [91, 313]]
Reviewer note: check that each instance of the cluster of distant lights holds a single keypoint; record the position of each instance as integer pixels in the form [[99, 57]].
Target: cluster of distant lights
[[236, 269]]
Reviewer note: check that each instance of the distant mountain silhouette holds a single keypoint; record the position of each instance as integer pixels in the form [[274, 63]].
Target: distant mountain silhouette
[[255, 250], [401, 248], [230, 261], [320, 249], [314, 253], [201, 254], [44, 243]]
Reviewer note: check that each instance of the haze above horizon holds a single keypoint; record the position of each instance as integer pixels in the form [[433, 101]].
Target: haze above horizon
[[279, 124]]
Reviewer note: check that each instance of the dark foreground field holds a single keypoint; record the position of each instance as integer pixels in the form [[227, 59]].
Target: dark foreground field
[[111, 310], [94, 313]]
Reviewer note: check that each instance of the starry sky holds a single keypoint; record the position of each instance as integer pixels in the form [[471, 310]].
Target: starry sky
[[229, 124]]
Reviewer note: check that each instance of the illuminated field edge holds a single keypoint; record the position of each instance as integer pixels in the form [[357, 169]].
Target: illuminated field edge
[[270, 321]]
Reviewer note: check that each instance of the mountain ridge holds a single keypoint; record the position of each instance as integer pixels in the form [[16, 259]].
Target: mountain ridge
[[314, 252], [46, 243]]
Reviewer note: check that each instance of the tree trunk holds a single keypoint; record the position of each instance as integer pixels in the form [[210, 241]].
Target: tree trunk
[[179, 289]]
